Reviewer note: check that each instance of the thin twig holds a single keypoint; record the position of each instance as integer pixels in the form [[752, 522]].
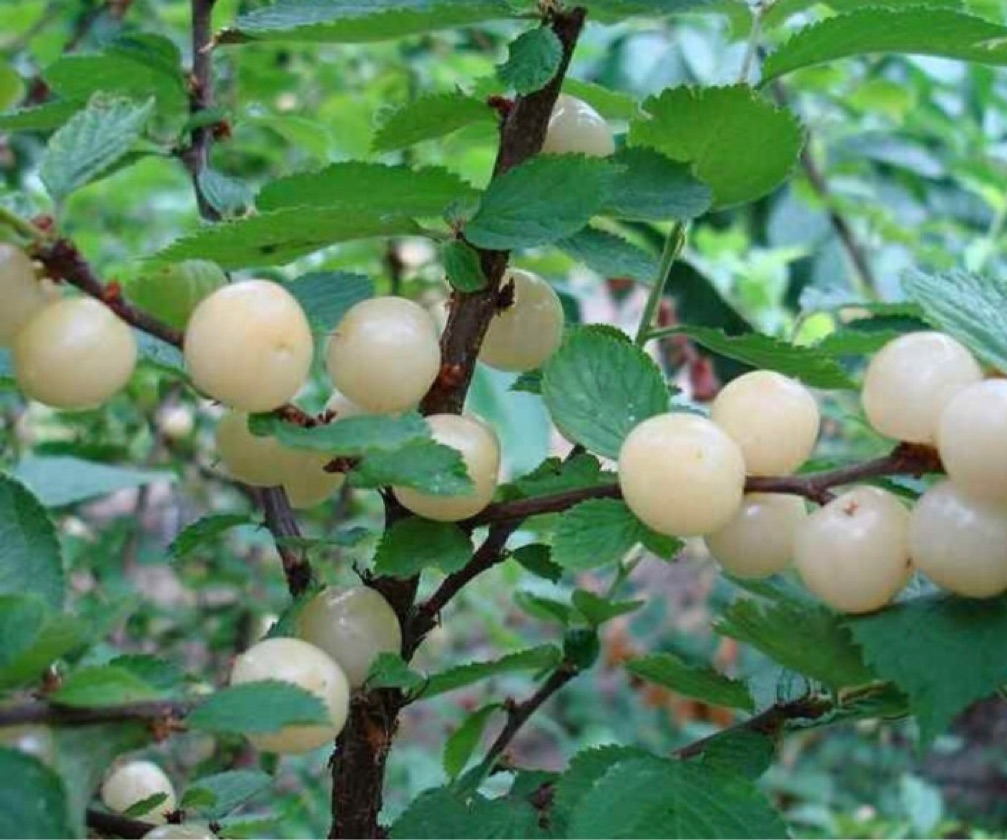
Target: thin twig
[[282, 524], [672, 248], [49, 713], [116, 825], [196, 155]]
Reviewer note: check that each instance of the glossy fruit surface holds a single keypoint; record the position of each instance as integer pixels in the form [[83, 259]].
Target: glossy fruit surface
[[577, 128], [524, 336], [972, 439], [759, 539], [20, 291], [135, 781], [258, 461]]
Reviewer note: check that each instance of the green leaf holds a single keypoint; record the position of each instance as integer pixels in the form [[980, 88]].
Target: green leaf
[[33, 801], [371, 189], [530, 659], [616, 11], [444, 813], [157, 672], [596, 533], [653, 187], [585, 770], [533, 60], [943, 652], [422, 465], [91, 143], [228, 791], [536, 559], [661, 798], [30, 556], [144, 806], [971, 308], [700, 683], [204, 531], [545, 609], [740, 751], [265, 706], [282, 236], [611, 104], [813, 366], [556, 475], [803, 637], [172, 292], [21, 620], [60, 480], [46, 117], [462, 266], [854, 342], [326, 296], [52, 636], [358, 21], [389, 670], [738, 143], [228, 196], [104, 685], [459, 747], [581, 647], [911, 28], [598, 610], [349, 438], [412, 545], [545, 199], [428, 118], [609, 254], [598, 387]]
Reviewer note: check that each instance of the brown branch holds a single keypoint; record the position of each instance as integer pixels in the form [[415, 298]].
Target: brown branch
[[49, 713], [519, 713], [521, 137], [196, 155], [282, 524], [116, 825]]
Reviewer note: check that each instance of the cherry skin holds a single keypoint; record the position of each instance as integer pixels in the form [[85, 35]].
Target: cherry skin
[[523, 336], [972, 439], [23, 296], [577, 128], [759, 539], [135, 781]]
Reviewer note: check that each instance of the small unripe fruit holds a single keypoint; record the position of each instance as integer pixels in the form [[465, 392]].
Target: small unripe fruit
[[34, 740], [773, 418], [295, 661], [480, 451], [258, 461], [972, 439], [384, 355], [183, 831], [74, 354], [176, 422], [305, 479], [854, 552], [960, 542], [681, 474], [22, 294], [249, 346], [524, 335], [911, 380], [759, 539], [172, 292], [135, 781], [353, 626], [576, 128]]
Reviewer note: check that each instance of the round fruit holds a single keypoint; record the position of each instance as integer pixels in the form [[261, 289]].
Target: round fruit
[[960, 542], [480, 451], [135, 781], [305, 479], [854, 552], [773, 418], [681, 474], [911, 380], [171, 292], [759, 539], [258, 461], [184, 831], [74, 354], [295, 661], [21, 292], [353, 626], [972, 439], [576, 128], [249, 345], [34, 740], [177, 422], [384, 355], [524, 335]]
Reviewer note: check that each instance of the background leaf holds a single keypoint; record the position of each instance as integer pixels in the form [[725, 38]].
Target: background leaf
[[701, 683], [32, 798], [30, 556], [532, 61], [413, 544], [258, 707]]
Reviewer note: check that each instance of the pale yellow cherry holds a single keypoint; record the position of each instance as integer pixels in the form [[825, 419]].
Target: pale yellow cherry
[[480, 450], [384, 355], [353, 626], [135, 781], [972, 439], [74, 354], [258, 461], [249, 345], [182, 831], [681, 474], [304, 665], [759, 539], [524, 335], [960, 542], [305, 479], [773, 418], [22, 294], [911, 380], [577, 128], [854, 552]]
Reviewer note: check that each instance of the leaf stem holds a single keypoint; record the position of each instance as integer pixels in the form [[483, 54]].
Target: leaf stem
[[23, 226], [673, 246]]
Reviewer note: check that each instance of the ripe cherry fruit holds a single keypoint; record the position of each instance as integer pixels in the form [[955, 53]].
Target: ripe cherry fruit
[[972, 439], [577, 128], [22, 295], [759, 539], [525, 334], [135, 781]]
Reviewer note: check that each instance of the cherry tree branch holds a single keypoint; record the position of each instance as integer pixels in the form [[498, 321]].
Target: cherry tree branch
[[40, 711], [281, 522], [197, 155]]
